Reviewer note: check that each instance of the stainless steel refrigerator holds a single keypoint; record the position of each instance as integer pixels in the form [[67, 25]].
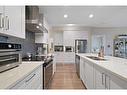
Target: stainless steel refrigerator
[[80, 46]]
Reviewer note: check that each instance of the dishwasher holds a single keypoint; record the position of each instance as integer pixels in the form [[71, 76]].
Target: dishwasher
[[47, 72], [77, 63]]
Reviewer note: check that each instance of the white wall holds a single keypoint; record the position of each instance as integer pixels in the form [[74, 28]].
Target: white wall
[[70, 36], [67, 37], [110, 34]]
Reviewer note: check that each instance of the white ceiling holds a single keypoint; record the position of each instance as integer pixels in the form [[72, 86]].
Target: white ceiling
[[104, 16]]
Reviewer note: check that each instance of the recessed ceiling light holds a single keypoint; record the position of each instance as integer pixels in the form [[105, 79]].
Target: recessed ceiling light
[[91, 16], [65, 16], [70, 24], [37, 26], [40, 24]]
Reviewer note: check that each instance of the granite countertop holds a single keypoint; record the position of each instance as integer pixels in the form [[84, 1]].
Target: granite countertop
[[115, 65], [13, 76]]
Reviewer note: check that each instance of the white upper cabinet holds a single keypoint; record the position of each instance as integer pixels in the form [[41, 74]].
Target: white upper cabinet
[[14, 21]]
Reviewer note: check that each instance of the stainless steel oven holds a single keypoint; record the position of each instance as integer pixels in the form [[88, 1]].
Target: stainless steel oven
[[47, 72], [10, 56]]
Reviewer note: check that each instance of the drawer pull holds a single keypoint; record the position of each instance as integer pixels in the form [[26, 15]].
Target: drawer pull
[[102, 78], [1, 20], [30, 78]]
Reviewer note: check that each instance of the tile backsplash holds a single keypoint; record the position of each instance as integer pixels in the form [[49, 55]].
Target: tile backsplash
[[28, 44]]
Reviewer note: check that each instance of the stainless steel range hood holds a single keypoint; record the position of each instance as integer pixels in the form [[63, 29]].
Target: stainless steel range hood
[[34, 20]]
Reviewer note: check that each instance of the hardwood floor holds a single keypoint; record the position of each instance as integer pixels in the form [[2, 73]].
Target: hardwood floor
[[65, 77]]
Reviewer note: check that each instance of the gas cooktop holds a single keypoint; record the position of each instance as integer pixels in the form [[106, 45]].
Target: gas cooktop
[[34, 58]]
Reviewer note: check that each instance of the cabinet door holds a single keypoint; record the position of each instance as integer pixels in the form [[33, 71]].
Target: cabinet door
[[89, 75], [1, 18], [32, 81], [81, 69], [14, 20], [114, 85], [116, 82], [99, 78], [54, 64], [59, 57]]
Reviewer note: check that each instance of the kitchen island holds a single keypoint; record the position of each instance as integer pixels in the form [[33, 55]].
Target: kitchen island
[[110, 73], [22, 77]]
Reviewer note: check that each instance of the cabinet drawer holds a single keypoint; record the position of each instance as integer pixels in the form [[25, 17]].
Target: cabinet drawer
[[32, 81]]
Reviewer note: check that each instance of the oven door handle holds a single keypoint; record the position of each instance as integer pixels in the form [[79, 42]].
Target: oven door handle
[[7, 59], [50, 63]]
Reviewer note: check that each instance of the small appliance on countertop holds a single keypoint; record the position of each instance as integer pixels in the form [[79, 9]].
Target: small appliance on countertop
[[10, 56]]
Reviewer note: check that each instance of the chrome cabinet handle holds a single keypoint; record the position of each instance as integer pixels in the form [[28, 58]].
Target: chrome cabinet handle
[[102, 78], [30, 78], [105, 82], [1, 20], [7, 23], [109, 82]]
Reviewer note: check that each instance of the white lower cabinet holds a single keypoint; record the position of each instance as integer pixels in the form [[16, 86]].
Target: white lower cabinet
[[95, 77], [59, 56], [99, 78], [87, 73], [105, 80], [82, 69], [32, 81], [54, 64], [116, 82]]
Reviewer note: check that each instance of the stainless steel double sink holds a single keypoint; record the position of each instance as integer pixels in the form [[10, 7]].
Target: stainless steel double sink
[[96, 58]]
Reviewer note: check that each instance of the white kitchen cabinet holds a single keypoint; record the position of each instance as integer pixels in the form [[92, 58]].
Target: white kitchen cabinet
[[116, 82], [59, 56], [99, 78], [114, 85], [54, 64], [105, 80], [69, 57], [82, 70], [41, 38], [32, 81], [1, 18], [89, 75], [14, 21]]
